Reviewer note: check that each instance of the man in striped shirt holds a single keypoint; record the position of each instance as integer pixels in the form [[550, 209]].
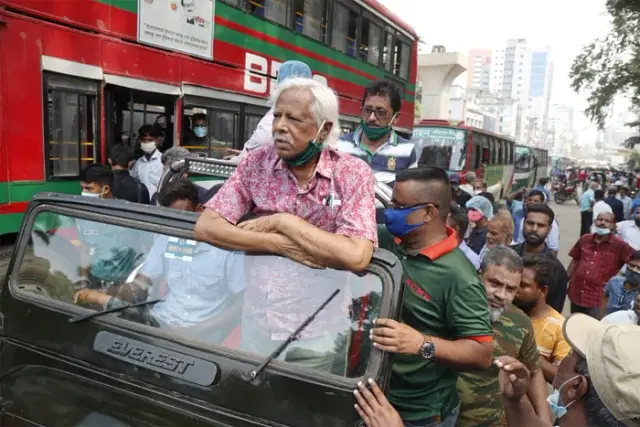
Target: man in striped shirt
[[375, 141]]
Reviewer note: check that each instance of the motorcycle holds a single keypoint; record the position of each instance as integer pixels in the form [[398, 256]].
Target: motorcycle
[[564, 193]]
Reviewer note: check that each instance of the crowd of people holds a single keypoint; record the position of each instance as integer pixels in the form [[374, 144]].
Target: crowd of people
[[480, 338]]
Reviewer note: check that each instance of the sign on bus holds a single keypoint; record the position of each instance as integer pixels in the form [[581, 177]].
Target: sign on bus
[[179, 25]]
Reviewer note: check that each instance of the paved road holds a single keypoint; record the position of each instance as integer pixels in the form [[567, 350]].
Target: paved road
[[568, 217]]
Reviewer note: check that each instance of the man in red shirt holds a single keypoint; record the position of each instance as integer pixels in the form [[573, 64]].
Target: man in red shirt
[[596, 258]]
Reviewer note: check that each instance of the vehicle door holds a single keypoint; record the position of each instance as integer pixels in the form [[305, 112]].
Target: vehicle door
[[190, 358]]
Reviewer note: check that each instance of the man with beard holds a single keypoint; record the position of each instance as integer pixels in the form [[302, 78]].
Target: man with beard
[[553, 236], [547, 322], [499, 232], [537, 225], [513, 334]]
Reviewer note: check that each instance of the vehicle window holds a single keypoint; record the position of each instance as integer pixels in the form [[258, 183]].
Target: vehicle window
[[222, 122], [501, 151], [370, 42], [309, 18], [72, 125], [523, 159], [405, 60], [235, 3], [492, 150], [214, 297], [273, 10], [346, 127], [441, 147], [387, 51], [345, 28]]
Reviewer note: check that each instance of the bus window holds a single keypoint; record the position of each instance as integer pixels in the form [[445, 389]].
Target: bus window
[[222, 120], [501, 152], [509, 153], [346, 127], [387, 51], [273, 10], [401, 58], [71, 125], [474, 155], [345, 27], [251, 117], [371, 38], [441, 147], [309, 18]]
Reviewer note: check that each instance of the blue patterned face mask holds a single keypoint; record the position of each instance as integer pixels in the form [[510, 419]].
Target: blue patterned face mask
[[557, 409]]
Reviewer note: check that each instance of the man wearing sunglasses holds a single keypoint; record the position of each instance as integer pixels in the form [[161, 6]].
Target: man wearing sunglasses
[[375, 141], [444, 324]]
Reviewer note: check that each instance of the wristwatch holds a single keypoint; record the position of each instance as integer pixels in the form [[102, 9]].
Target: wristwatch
[[428, 350]]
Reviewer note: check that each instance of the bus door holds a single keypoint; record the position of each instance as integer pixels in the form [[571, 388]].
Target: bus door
[[127, 108]]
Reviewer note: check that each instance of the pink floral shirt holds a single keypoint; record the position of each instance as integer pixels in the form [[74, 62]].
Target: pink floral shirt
[[277, 299], [263, 185]]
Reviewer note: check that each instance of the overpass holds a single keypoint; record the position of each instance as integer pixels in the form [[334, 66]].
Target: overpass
[[436, 72]]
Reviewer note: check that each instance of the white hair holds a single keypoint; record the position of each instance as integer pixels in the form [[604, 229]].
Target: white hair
[[324, 107]]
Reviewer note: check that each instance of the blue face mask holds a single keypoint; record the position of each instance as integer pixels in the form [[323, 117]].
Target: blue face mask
[[396, 220], [602, 231], [557, 409], [200, 131]]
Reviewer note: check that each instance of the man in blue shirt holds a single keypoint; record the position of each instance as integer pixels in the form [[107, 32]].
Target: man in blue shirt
[[620, 292], [542, 186], [587, 201], [375, 141], [201, 285]]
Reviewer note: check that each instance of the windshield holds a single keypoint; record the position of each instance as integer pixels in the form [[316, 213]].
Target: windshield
[[524, 159], [248, 303], [441, 147]]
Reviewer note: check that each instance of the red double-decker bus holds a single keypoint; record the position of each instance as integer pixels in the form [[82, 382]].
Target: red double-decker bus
[[79, 76]]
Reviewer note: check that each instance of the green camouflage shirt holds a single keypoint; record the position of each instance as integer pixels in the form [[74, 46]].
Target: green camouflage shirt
[[480, 399]]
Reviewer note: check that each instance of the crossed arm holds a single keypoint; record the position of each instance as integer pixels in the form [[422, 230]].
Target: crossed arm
[[286, 235]]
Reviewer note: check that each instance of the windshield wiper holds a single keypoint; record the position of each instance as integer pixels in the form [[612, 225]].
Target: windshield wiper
[[292, 337], [83, 317]]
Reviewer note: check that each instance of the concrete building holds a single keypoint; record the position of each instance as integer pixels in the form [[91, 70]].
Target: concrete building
[[510, 71], [436, 72], [479, 69], [540, 87]]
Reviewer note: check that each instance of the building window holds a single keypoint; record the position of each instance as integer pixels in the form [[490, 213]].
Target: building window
[[309, 18], [72, 126], [345, 28]]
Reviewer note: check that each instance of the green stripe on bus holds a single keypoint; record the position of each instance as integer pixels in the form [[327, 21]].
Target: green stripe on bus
[[23, 191], [10, 223], [258, 24]]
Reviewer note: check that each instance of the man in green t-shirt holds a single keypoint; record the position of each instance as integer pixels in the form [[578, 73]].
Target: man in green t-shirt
[[513, 335], [444, 324]]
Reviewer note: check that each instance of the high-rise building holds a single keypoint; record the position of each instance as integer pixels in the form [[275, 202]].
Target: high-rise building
[[479, 69], [540, 85], [511, 70]]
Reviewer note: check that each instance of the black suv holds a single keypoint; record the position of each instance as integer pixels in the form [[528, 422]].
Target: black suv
[[171, 357]]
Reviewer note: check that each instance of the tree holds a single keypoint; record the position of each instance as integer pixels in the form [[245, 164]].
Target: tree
[[611, 65]]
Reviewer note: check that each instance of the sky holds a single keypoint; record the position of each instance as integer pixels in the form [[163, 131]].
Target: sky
[[460, 25]]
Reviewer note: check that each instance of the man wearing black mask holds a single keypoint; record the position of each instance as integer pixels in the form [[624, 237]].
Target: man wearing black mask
[[536, 227], [620, 292]]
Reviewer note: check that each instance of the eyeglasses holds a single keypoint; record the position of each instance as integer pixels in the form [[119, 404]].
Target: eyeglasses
[[394, 205], [380, 113]]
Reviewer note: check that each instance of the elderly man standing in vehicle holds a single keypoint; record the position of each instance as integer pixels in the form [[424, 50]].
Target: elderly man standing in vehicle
[[314, 205], [444, 324]]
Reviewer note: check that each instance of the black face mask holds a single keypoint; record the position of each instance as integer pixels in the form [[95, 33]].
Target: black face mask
[[637, 221], [632, 277], [525, 306]]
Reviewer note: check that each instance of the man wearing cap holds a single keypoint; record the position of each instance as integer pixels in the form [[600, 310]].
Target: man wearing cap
[[480, 212], [597, 384], [461, 196]]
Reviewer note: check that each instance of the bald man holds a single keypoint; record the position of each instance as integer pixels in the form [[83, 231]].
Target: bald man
[[499, 232]]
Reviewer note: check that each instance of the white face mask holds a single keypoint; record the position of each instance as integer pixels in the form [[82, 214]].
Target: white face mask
[[558, 410], [91, 195], [148, 147]]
